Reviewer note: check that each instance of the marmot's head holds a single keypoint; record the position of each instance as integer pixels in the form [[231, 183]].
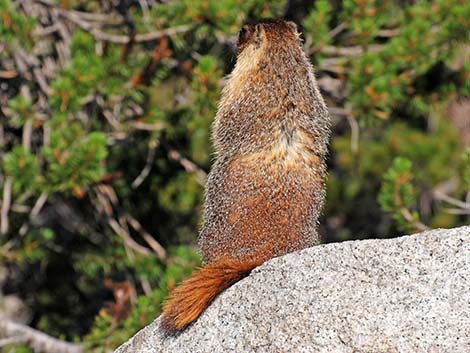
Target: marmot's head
[[273, 33]]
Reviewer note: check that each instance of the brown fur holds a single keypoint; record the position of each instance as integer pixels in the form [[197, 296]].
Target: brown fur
[[195, 294], [266, 188]]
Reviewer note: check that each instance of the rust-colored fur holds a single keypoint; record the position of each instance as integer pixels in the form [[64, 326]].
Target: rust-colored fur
[[266, 188], [189, 300]]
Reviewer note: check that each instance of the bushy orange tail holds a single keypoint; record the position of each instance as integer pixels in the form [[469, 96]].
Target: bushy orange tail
[[189, 300]]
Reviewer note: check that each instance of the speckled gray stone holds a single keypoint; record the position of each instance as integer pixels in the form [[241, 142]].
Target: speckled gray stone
[[408, 294]]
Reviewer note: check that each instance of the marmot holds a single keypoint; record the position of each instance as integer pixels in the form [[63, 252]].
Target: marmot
[[266, 188]]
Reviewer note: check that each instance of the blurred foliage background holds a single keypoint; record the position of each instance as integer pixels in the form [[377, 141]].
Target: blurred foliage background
[[105, 141]]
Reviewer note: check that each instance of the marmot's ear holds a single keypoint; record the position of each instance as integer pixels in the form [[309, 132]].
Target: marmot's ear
[[292, 26], [259, 31], [258, 34]]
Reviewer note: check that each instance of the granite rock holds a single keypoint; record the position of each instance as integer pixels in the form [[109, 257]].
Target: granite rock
[[407, 294]]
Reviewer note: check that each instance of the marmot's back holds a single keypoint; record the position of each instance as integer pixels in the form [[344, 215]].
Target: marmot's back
[[266, 188]]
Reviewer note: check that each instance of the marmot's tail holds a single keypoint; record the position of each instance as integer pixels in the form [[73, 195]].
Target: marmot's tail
[[189, 300]]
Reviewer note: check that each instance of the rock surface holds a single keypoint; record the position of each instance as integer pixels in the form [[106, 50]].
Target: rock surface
[[408, 294]]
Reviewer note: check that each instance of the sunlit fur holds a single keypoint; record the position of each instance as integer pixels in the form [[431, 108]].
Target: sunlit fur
[[266, 188]]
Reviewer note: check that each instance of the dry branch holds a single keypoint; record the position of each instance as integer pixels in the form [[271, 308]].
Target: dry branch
[[350, 51], [148, 165], [37, 340], [83, 21], [410, 219], [188, 165], [4, 223]]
